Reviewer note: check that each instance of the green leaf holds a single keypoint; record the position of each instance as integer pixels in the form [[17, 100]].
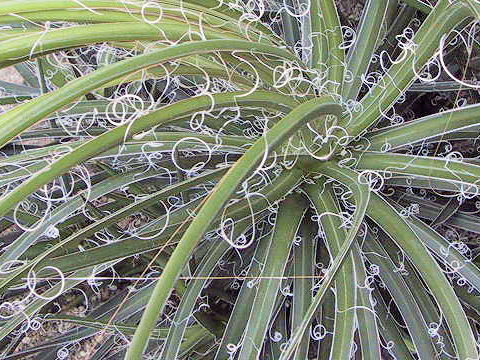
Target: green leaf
[[173, 342], [117, 135], [35, 110], [288, 220], [21, 244], [426, 166], [243, 305], [38, 303], [419, 5], [425, 128], [27, 46], [366, 317], [17, 89], [217, 200], [361, 194], [335, 53], [345, 281], [320, 46], [391, 332], [303, 260], [396, 227], [403, 298], [444, 17], [368, 35]]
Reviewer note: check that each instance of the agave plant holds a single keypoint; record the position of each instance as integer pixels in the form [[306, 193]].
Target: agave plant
[[249, 179]]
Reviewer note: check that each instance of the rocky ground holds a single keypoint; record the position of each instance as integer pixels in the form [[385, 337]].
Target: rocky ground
[[11, 75]]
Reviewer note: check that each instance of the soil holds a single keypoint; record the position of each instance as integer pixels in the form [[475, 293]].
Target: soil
[[10, 74]]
